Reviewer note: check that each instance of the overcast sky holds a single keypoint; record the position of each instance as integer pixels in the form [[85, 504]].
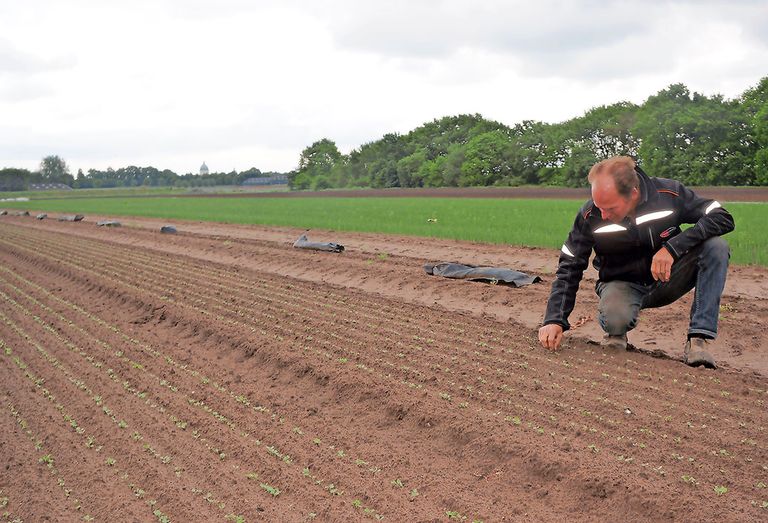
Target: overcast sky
[[248, 83]]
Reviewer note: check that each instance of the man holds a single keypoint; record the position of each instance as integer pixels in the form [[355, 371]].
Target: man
[[643, 258]]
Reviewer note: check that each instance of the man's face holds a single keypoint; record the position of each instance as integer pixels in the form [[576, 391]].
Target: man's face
[[613, 207]]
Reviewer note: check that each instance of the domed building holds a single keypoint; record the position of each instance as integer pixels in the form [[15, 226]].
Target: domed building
[[203, 169]]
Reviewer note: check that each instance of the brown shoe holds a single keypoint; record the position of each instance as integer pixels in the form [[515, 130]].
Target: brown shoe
[[615, 342], [697, 353]]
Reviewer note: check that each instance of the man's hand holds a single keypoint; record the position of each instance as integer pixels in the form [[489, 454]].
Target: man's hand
[[550, 336], [661, 265]]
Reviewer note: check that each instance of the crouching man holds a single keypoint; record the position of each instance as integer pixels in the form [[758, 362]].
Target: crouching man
[[643, 258]]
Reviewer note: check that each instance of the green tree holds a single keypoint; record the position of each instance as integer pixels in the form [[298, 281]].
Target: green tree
[[316, 160], [12, 179], [606, 130], [384, 173], [452, 165], [695, 139], [576, 167], [754, 102], [486, 159], [432, 172], [761, 154], [53, 169], [409, 169]]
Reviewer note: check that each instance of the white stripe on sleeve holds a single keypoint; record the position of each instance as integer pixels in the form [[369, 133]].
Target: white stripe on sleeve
[[712, 206]]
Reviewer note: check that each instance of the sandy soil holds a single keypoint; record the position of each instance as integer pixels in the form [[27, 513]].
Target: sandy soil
[[189, 375]]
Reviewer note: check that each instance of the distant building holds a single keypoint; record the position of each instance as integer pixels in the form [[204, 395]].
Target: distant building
[[203, 169], [266, 180]]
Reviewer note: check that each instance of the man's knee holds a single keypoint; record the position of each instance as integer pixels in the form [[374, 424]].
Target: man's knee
[[618, 320], [716, 248], [617, 314]]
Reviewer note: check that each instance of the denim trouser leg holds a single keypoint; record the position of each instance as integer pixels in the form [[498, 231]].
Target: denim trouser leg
[[704, 267], [620, 303]]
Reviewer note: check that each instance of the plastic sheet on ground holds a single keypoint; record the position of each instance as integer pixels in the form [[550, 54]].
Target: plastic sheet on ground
[[304, 243], [474, 273], [108, 223], [71, 218]]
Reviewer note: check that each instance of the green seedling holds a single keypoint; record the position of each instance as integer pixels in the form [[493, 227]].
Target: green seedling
[[270, 489]]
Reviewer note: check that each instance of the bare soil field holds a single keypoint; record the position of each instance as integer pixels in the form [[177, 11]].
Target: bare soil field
[[219, 374]]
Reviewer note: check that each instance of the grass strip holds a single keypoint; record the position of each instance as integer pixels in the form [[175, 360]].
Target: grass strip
[[524, 222]]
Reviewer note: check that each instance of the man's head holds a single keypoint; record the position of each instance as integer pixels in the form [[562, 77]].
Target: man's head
[[615, 187]]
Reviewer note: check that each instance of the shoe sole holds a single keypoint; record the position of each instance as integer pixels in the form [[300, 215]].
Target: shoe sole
[[700, 358]]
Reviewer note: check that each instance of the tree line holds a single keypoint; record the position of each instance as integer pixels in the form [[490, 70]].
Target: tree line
[[133, 176], [675, 133], [54, 169]]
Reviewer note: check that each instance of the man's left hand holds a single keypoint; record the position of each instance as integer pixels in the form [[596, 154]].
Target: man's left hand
[[661, 265]]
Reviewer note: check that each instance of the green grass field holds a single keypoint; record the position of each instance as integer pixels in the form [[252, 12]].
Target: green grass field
[[541, 223]]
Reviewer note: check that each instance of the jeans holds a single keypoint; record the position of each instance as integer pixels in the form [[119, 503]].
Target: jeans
[[703, 267]]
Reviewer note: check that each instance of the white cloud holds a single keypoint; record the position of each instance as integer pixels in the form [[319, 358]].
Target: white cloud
[[242, 84]]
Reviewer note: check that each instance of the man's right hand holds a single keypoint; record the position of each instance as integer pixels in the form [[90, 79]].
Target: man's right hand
[[550, 336]]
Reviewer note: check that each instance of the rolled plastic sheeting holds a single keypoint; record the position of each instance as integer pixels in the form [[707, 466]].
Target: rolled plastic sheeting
[[304, 243], [108, 223], [41, 216], [168, 229], [71, 218], [474, 273]]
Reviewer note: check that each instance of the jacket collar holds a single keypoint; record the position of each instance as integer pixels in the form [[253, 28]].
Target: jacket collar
[[647, 194]]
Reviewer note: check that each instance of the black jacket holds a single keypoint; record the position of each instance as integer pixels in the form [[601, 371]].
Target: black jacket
[[624, 251]]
